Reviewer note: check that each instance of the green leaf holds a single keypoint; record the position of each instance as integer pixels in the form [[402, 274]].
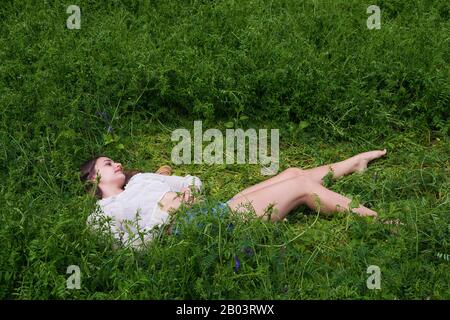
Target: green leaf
[[229, 124], [107, 139], [303, 124]]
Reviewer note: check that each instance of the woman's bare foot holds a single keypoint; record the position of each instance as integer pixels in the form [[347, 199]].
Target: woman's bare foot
[[365, 212], [364, 158]]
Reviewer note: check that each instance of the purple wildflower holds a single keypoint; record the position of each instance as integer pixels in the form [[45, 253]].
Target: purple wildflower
[[237, 263], [248, 251], [103, 114]]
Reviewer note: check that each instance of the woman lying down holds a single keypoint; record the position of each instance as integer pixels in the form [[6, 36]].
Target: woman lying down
[[136, 202]]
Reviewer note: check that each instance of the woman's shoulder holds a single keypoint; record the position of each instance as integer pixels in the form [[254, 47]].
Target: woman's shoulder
[[97, 215], [111, 207], [115, 203]]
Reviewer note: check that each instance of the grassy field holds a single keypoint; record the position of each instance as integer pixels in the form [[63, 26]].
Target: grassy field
[[137, 70]]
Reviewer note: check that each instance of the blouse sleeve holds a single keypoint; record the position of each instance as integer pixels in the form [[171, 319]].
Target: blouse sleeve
[[98, 221], [124, 231]]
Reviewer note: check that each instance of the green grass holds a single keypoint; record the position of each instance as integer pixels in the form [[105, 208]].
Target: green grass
[[308, 68]]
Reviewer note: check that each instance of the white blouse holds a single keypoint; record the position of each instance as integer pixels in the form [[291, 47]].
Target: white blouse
[[132, 214]]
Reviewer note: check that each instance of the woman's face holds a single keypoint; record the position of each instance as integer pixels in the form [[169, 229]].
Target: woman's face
[[110, 172]]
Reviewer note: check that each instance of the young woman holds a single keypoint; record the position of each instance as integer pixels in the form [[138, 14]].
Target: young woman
[[141, 201]]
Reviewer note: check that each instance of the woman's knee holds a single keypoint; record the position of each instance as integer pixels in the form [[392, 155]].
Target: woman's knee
[[293, 172], [305, 185], [300, 184]]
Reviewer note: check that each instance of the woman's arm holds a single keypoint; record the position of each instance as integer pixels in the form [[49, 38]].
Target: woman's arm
[[170, 202]]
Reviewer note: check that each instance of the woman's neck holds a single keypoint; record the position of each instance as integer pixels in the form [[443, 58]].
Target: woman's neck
[[110, 191]]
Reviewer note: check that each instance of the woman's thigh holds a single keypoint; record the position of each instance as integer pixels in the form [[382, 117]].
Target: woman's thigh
[[289, 173], [284, 195]]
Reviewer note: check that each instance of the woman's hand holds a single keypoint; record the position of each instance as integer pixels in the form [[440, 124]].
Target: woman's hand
[[187, 196], [172, 200]]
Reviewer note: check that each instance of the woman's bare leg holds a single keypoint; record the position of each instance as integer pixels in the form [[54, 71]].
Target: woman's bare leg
[[290, 193], [289, 173], [356, 163]]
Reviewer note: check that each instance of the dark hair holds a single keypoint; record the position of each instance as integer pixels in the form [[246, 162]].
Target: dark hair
[[87, 172]]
